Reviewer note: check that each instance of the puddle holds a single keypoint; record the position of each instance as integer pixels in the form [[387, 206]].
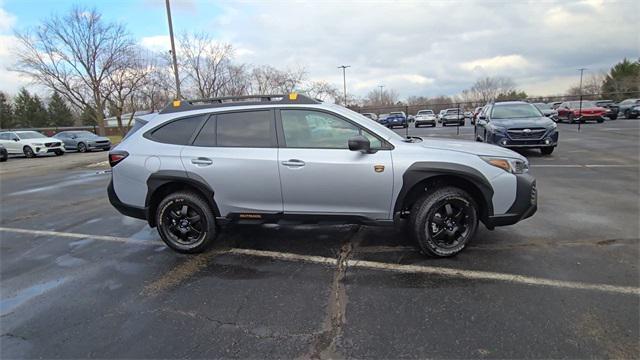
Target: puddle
[[24, 295], [79, 179]]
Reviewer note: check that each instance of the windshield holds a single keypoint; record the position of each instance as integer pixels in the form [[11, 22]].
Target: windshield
[[425, 112], [453, 111], [543, 106], [515, 111], [576, 104], [30, 135], [84, 134]]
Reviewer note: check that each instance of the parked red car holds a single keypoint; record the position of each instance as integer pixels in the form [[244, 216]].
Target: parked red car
[[572, 112]]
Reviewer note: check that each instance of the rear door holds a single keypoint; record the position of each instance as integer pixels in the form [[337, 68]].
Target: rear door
[[320, 175], [236, 153]]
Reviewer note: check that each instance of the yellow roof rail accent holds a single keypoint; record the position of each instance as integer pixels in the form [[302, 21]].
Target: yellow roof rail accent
[[176, 103], [293, 96]]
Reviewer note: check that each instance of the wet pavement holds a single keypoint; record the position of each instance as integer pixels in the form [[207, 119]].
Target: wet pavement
[[80, 280]]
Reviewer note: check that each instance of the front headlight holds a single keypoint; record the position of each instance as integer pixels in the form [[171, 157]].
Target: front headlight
[[554, 126], [37, 144], [500, 130], [514, 166]]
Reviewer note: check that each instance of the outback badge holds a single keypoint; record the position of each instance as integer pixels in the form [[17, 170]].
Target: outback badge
[[378, 168]]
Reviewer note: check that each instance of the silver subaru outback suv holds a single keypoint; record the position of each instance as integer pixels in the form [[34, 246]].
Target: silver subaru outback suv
[[198, 165]]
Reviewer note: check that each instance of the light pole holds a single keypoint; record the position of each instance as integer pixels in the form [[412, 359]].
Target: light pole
[[580, 107], [173, 51], [380, 86], [344, 81]]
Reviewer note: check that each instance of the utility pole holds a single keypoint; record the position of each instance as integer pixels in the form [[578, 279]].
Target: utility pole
[[173, 51], [580, 107], [380, 86], [344, 81]]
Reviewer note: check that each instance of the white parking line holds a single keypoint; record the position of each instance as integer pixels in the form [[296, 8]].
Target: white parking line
[[420, 269]]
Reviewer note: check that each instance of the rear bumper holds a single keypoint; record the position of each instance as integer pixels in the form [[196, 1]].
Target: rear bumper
[[525, 205], [124, 209]]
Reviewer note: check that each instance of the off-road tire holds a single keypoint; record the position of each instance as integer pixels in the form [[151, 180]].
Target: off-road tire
[[200, 207], [427, 207]]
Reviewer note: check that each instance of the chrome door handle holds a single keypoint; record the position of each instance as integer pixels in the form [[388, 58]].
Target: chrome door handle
[[293, 163], [201, 161]]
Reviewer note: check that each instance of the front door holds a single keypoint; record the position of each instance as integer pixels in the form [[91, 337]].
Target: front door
[[237, 154], [320, 175]]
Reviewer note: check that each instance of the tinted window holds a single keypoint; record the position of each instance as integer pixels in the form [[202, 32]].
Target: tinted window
[[207, 136], [313, 129], [177, 132], [5, 136], [136, 126], [246, 129]]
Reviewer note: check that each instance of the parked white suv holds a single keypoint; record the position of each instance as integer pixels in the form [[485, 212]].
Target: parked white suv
[[196, 166], [30, 143]]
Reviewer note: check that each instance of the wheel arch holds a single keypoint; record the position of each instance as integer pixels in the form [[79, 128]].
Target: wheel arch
[[422, 177], [162, 183]]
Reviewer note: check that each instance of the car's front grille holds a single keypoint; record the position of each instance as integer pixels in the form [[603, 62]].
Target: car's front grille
[[527, 134], [52, 144], [102, 142]]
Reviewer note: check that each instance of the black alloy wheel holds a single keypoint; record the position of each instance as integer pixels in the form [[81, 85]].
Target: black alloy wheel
[[450, 225], [82, 147], [28, 152]]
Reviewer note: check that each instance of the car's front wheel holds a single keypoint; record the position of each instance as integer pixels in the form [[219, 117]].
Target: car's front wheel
[[28, 152], [444, 221], [186, 222], [59, 152], [82, 147]]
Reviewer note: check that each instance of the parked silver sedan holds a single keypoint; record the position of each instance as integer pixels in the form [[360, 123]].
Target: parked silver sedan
[[83, 141]]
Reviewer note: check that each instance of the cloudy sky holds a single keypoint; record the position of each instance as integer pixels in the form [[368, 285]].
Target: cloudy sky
[[415, 47]]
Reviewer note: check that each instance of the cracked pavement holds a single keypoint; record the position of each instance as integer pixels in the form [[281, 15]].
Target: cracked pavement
[[118, 292]]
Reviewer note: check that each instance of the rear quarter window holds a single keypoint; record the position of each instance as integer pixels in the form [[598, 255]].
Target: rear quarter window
[[177, 132]]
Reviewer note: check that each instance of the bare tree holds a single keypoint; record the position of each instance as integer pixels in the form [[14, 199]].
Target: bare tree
[[238, 82], [488, 88], [381, 97], [591, 85], [321, 90], [205, 63], [269, 80], [125, 88], [74, 55]]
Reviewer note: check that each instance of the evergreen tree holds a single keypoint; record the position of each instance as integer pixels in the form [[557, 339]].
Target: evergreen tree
[[88, 117], [58, 112], [38, 113], [22, 108], [6, 112], [622, 79]]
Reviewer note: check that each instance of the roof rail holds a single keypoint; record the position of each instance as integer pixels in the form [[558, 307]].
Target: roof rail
[[226, 101]]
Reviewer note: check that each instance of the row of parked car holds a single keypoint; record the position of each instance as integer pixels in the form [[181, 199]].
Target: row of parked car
[[32, 143], [588, 110], [425, 117]]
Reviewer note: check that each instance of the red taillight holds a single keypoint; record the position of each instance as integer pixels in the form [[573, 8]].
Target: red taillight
[[116, 156]]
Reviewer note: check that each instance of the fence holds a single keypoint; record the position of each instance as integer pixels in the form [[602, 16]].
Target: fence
[[50, 131]]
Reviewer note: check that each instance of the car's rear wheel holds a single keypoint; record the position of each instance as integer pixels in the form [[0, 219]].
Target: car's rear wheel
[[444, 221], [547, 150], [28, 152], [186, 222], [82, 147]]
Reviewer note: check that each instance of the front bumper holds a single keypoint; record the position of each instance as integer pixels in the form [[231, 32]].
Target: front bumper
[[96, 146], [40, 150], [525, 205], [549, 139]]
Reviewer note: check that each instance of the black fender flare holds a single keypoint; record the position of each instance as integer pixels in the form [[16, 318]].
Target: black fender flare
[[424, 170], [162, 177]]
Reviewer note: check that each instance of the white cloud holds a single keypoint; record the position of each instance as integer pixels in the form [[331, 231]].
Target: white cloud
[[7, 20], [496, 63], [156, 43]]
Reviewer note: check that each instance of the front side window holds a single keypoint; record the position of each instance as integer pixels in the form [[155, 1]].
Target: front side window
[[178, 132], [245, 129], [314, 129]]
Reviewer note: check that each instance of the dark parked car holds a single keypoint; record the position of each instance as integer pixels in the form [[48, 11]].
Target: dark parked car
[[516, 124], [612, 108], [4, 155], [83, 141], [548, 111], [396, 119], [573, 111], [634, 112], [625, 106], [452, 116]]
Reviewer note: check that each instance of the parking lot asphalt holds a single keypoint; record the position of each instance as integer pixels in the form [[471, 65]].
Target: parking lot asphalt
[[79, 280]]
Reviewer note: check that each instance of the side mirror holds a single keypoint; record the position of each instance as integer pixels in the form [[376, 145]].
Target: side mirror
[[359, 143], [15, 139], [482, 121]]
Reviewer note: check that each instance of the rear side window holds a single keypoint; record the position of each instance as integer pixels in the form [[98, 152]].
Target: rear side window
[[178, 132], [246, 129], [137, 124]]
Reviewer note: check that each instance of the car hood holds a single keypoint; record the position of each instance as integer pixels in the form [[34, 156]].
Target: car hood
[[470, 147], [523, 123], [42, 140]]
